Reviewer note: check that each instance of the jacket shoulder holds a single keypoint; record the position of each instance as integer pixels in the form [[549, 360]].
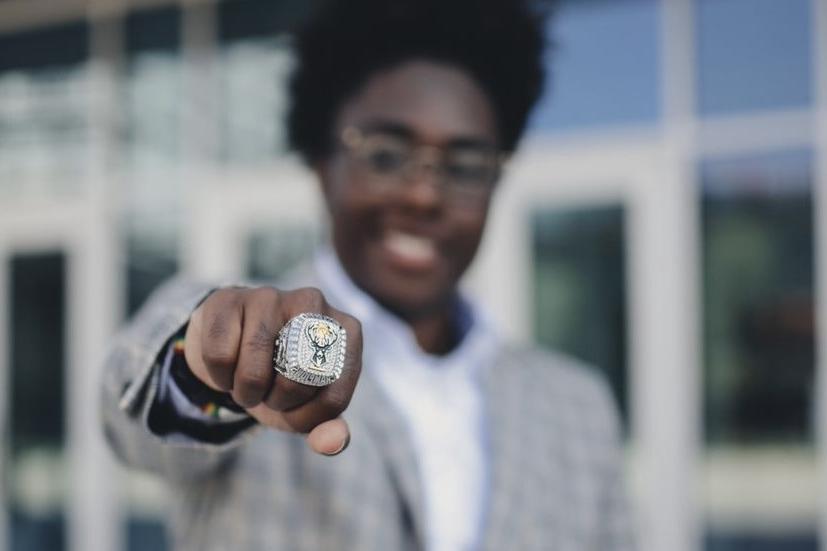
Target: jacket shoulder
[[569, 387]]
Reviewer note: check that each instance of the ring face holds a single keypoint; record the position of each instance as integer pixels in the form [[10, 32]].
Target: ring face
[[310, 349]]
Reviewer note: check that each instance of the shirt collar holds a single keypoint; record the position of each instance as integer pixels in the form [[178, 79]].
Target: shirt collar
[[476, 349]]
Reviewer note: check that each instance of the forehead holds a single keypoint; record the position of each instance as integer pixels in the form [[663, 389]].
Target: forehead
[[436, 102]]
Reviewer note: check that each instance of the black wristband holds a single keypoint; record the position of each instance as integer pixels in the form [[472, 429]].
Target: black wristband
[[196, 391]]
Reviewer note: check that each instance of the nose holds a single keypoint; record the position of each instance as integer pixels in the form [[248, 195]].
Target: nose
[[422, 189], [423, 186]]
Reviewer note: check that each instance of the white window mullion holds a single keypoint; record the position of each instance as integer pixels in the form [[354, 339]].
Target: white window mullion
[[819, 65]]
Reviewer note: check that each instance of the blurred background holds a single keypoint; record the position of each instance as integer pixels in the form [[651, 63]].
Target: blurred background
[[665, 220]]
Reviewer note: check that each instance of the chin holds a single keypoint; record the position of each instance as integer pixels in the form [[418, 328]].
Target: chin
[[412, 306]]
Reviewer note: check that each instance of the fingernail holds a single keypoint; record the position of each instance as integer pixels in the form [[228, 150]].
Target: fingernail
[[345, 444]]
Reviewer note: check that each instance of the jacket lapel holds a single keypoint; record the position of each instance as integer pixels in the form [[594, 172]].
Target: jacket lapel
[[506, 418], [394, 441]]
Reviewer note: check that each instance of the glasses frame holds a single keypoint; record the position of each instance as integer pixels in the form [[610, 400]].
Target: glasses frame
[[429, 157]]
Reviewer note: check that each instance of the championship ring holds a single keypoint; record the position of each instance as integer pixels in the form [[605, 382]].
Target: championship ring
[[310, 349]]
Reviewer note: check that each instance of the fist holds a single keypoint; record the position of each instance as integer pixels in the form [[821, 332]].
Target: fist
[[229, 347]]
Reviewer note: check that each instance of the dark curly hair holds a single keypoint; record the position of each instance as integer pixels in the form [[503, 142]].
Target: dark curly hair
[[499, 43]]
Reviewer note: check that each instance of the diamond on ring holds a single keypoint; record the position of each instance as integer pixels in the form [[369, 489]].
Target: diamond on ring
[[310, 349]]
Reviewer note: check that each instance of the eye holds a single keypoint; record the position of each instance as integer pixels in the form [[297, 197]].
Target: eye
[[386, 160], [464, 174], [386, 155], [470, 168]]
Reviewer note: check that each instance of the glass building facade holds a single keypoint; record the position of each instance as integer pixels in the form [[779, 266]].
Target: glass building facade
[[662, 224]]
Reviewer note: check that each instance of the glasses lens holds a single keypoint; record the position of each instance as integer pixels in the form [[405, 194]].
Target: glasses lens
[[385, 155], [470, 171]]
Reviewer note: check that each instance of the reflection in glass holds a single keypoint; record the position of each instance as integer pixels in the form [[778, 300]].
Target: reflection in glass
[[36, 478], [44, 133], [759, 466], [152, 88], [152, 91], [240, 20], [254, 65], [603, 65], [579, 288], [152, 257], [753, 54], [254, 77]]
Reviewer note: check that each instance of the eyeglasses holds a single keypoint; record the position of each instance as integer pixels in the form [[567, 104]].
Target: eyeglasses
[[466, 174]]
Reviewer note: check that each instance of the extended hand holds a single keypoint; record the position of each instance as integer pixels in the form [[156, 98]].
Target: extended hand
[[229, 346]]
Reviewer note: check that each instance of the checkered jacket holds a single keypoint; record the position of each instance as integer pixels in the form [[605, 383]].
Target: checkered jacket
[[555, 465]]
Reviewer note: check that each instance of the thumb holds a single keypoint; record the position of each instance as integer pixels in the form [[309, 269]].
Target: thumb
[[330, 437]]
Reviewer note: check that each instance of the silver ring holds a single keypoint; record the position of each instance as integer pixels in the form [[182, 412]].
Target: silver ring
[[310, 349]]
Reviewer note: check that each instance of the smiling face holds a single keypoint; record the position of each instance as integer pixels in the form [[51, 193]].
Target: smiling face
[[408, 243]]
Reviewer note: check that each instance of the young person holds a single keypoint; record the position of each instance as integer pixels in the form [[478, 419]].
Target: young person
[[405, 111]]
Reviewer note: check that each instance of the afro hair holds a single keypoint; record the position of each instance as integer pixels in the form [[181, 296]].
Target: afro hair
[[499, 43]]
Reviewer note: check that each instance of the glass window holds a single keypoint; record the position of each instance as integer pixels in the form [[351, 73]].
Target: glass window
[[254, 75], [153, 30], [146, 534], [759, 463], [753, 54], [153, 86], [44, 134], [579, 288], [36, 479], [245, 19], [152, 103], [255, 62], [602, 65], [45, 47], [152, 257]]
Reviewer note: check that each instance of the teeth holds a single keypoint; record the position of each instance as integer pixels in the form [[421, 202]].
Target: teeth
[[411, 246]]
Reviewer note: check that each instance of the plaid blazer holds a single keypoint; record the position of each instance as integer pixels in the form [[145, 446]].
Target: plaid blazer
[[554, 466]]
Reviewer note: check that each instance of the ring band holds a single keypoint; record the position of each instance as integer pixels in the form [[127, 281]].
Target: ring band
[[310, 349]]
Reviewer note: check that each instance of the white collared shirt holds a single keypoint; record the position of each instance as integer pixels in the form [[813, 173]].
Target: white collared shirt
[[440, 399]]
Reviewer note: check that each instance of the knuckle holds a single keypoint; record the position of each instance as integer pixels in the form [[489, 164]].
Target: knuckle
[[261, 339], [296, 390], [224, 295], [218, 353], [333, 403], [218, 325], [312, 296], [254, 380], [268, 294], [277, 402], [352, 325]]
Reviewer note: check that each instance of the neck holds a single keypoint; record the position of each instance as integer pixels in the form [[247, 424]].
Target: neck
[[436, 334], [435, 329]]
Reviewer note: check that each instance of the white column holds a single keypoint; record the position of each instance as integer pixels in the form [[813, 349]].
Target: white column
[[93, 304], [819, 65], [200, 106], [665, 305], [5, 368], [94, 520], [664, 354], [207, 248]]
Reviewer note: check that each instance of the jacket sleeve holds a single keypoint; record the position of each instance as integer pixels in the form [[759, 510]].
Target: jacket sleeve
[[130, 384]]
